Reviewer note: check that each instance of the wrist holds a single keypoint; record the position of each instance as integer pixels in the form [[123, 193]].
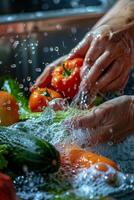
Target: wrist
[[119, 17]]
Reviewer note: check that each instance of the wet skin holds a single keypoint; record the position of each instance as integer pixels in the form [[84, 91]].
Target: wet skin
[[108, 52]]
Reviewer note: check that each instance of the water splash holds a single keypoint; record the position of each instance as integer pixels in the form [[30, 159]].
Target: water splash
[[87, 183]]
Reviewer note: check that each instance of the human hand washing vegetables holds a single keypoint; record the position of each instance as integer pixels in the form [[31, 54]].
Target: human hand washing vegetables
[[108, 54], [101, 62], [107, 50], [111, 121]]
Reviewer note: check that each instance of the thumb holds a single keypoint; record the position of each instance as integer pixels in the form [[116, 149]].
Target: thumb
[[81, 49], [45, 78]]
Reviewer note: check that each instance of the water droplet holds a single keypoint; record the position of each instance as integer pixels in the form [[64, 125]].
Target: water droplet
[[46, 49], [58, 27], [26, 88], [13, 66], [15, 44], [38, 69], [30, 61], [73, 30], [45, 34], [20, 62], [110, 143], [28, 78], [21, 86], [51, 49], [56, 1], [56, 48], [111, 130]]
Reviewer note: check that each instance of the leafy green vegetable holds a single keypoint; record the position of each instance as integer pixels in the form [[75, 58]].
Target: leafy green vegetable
[[3, 152], [10, 85]]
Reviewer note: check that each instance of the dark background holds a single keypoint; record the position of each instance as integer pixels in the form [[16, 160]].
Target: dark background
[[17, 6]]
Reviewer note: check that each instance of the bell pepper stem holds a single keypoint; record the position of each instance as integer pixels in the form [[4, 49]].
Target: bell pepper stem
[[47, 94], [67, 72]]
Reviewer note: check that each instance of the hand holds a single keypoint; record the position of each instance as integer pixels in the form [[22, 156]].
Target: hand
[[108, 57], [45, 78], [111, 121]]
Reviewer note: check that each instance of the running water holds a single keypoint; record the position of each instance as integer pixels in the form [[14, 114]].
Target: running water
[[67, 183]]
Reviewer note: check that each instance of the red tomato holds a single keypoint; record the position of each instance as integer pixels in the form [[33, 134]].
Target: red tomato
[[66, 78], [9, 109], [40, 97], [7, 190]]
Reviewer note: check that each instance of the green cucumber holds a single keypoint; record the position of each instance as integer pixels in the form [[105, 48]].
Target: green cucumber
[[24, 149]]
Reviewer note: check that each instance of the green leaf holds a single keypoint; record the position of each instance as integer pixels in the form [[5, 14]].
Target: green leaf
[[11, 85], [3, 161]]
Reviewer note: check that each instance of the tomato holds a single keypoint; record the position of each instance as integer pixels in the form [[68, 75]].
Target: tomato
[[40, 97], [9, 109], [80, 158], [7, 190], [66, 78]]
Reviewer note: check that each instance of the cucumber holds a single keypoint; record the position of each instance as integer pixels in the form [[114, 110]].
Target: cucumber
[[24, 149]]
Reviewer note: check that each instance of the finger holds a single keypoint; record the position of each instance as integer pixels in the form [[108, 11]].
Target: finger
[[98, 68], [45, 78], [125, 82], [115, 70], [117, 84], [81, 49], [97, 48], [88, 121], [100, 135], [105, 134]]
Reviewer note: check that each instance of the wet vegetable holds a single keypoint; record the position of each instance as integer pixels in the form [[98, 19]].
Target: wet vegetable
[[9, 109], [80, 158], [7, 190], [66, 78], [11, 86], [22, 149], [40, 98]]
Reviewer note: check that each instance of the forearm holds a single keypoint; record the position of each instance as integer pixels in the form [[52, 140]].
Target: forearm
[[121, 16]]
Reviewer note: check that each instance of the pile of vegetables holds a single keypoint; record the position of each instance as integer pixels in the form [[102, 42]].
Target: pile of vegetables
[[64, 83], [21, 147]]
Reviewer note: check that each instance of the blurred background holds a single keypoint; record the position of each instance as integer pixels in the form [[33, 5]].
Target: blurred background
[[33, 33], [17, 6]]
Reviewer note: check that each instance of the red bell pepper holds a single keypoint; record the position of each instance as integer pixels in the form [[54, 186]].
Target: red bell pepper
[[66, 78]]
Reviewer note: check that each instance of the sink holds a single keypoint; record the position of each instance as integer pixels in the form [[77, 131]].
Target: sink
[[29, 41], [27, 46]]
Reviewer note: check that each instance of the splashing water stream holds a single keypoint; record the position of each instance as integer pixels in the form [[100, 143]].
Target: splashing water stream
[[68, 183]]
